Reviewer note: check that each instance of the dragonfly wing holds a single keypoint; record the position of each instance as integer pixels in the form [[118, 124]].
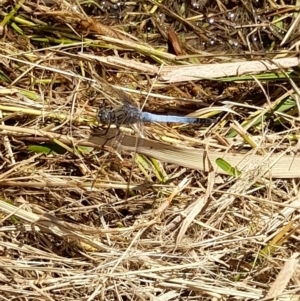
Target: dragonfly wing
[[115, 93]]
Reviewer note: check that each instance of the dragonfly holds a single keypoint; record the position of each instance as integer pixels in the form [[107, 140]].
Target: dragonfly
[[128, 114]]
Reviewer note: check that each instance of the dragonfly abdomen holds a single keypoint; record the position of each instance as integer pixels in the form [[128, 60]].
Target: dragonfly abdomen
[[149, 117]]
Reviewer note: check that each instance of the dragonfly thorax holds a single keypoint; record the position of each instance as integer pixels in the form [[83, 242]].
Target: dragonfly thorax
[[125, 114]]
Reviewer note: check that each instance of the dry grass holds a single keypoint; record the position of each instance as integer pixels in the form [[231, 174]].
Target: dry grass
[[211, 213]]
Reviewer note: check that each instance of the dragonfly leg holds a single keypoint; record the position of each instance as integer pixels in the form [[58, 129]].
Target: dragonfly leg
[[105, 129]]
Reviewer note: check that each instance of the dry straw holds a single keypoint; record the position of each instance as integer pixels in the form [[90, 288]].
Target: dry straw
[[210, 213]]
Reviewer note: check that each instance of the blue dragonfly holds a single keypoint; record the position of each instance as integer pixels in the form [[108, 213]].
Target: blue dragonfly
[[128, 113]]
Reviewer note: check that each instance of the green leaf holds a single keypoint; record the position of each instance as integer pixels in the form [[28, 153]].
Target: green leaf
[[46, 148], [224, 165]]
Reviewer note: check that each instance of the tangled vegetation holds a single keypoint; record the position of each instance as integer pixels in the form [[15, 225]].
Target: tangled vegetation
[[152, 211]]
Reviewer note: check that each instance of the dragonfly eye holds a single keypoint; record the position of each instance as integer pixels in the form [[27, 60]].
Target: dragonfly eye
[[105, 116]]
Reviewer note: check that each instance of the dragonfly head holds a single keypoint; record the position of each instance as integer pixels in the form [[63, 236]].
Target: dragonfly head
[[105, 116]]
